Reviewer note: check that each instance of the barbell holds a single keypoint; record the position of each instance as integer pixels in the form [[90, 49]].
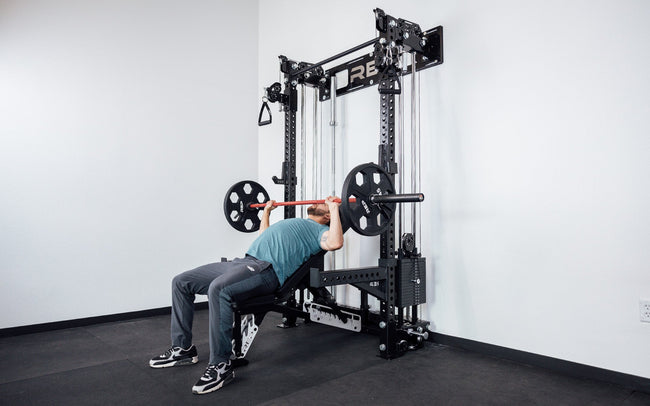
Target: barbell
[[407, 197], [367, 201], [296, 203]]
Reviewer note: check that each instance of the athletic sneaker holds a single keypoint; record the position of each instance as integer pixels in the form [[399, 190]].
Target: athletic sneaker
[[214, 378], [175, 356]]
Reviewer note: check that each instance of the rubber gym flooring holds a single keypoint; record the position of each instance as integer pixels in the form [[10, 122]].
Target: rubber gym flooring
[[313, 364]]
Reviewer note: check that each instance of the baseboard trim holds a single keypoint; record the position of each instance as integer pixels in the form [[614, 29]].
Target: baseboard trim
[[557, 365], [88, 321]]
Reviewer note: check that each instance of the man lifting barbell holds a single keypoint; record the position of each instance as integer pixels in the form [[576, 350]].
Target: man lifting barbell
[[368, 203], [277, 252]]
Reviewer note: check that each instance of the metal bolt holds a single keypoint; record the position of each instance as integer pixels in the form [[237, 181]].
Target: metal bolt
[[392, 23], [382, 41], [382, 324], [294, 66], [392, 43], [294, 82], [423, 42], [382, 347], [406, 35]]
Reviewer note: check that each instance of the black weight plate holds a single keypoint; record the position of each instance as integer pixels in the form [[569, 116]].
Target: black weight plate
[[365, 217], [236, 205]]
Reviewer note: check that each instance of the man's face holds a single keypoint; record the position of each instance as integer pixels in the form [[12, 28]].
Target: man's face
[[320, 209]]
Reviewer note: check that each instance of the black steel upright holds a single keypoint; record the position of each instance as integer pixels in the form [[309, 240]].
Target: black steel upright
[[290, 155], [289, 100], [388, 341]]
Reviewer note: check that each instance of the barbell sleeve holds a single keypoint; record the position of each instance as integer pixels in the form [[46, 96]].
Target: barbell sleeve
[[398, 198]]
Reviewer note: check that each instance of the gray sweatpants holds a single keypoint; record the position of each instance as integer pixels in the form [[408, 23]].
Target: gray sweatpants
[[223, 282]]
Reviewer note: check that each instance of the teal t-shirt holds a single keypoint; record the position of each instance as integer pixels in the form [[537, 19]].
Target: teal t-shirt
[[287, 244]]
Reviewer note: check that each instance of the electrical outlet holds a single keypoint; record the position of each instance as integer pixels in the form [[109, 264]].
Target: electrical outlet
[[644, 309]]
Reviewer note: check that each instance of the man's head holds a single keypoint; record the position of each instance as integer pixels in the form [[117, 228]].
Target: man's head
[[320, 213]]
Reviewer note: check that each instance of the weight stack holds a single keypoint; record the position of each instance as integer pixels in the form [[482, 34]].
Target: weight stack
[[412, 281]]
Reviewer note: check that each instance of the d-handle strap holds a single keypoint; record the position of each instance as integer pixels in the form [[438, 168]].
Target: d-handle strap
[[265, 106]]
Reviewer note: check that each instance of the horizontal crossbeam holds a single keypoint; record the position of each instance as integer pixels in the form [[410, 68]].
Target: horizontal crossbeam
[[349, 276]]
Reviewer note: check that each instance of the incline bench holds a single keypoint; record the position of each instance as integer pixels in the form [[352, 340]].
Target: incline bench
[[250, 313]]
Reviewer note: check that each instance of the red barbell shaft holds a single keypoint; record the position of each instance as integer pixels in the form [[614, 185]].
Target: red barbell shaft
[[298, 203]]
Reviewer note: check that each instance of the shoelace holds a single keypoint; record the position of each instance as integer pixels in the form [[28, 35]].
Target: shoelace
[[168, 353], [210, 372], [214, 370]]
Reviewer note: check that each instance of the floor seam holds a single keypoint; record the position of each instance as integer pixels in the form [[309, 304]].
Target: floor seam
[[62, 371]]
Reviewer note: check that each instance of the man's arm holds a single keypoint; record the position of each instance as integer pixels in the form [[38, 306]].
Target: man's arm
[[265, 216], [333, 238]]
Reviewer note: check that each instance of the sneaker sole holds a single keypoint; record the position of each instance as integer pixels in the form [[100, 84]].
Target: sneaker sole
[[186, 361], [216, 387]]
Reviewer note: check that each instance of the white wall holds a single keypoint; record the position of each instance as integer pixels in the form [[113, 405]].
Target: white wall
[[124, 122], [535, 139], [122, 125]]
